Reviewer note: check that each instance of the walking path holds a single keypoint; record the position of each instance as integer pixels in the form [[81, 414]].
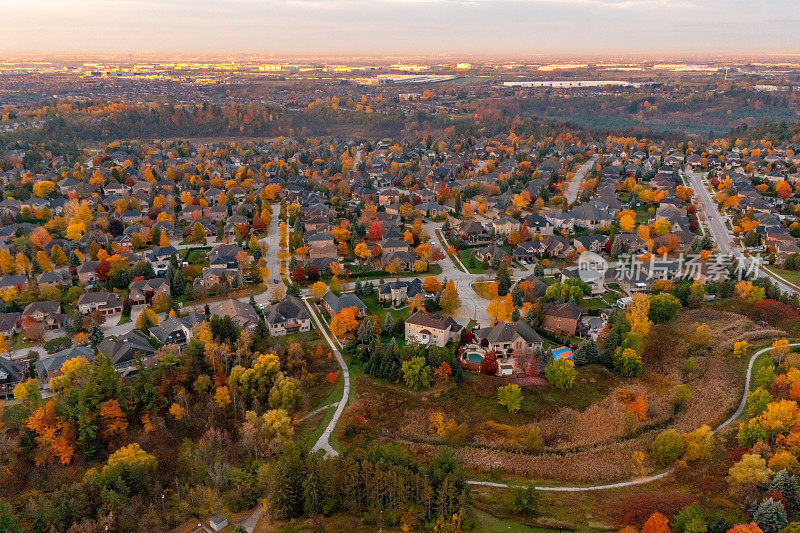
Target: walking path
[[324, 441], [655, 477]]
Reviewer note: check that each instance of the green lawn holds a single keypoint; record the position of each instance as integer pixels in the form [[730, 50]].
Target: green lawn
[[491, 524], [375, 308], [305, 338], [433, 270], [792, 276], [465, 255], [589, 304], [197, 256]]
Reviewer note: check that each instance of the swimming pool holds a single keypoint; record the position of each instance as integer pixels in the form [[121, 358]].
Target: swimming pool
[[474, 358]]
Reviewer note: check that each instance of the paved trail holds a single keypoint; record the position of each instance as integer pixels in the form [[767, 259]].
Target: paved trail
[[324, 441], [661, 475]]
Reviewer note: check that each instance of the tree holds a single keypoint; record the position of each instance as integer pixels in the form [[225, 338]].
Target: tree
[[780, 349], [43, 261], [222, 396], [587, 353], [561, 374], [500, 308], [318, 289], [431, 284], [57, 255], [510, 397], [750, 470], [668, 447], [55, 437], [112, 421], [637, 314], [344, 322], [416, 373], [657, 523], [285, 393], [362, 251], [449, 301], [663, 307], [299, 273], [489, 364], [95, 335], [770, 516], [146, 320], [627, 362], [177, 411], [701, 340], [198, 233], [740, 349]]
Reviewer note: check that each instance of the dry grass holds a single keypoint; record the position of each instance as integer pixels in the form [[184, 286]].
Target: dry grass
[[583, 443]]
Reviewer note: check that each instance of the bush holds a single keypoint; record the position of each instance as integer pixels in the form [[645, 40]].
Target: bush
[[510, 397], [561, 374], [523, 500], [57, 344], [668, 447]]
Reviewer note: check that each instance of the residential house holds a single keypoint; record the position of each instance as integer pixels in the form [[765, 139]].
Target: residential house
[[87, 272], [398, 292], [47, 313], [177, 329], [515, 339], [287, 316], [127, 349], [9, 323], [472, 232], [107, 303], [55, 278], [334, 304], [11, 374], [49, 367], [505, 226], [142, 291], [563, 317], [242, 313], [431, 329]]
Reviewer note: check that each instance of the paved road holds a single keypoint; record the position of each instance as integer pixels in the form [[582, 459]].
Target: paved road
[[575, 183], [473, 307], [722, 236], [324, 441], [714, 220], [272, 240], [655, 477]]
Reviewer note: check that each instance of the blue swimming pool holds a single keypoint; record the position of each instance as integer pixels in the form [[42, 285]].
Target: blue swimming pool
[[474, 358]]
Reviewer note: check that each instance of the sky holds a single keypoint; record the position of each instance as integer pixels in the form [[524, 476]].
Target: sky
[[519, 28]]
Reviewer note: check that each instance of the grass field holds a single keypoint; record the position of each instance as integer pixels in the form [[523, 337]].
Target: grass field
[[792, 276], [465, 255]]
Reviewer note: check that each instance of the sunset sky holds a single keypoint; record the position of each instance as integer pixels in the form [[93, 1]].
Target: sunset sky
[[516, 27]]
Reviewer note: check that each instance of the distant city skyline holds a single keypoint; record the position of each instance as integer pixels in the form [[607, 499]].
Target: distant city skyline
[[375, 27]]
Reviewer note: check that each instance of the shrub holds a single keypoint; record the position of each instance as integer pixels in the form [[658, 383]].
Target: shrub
[[510, 397], [523, 500], [561, 374], [668, 447]]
